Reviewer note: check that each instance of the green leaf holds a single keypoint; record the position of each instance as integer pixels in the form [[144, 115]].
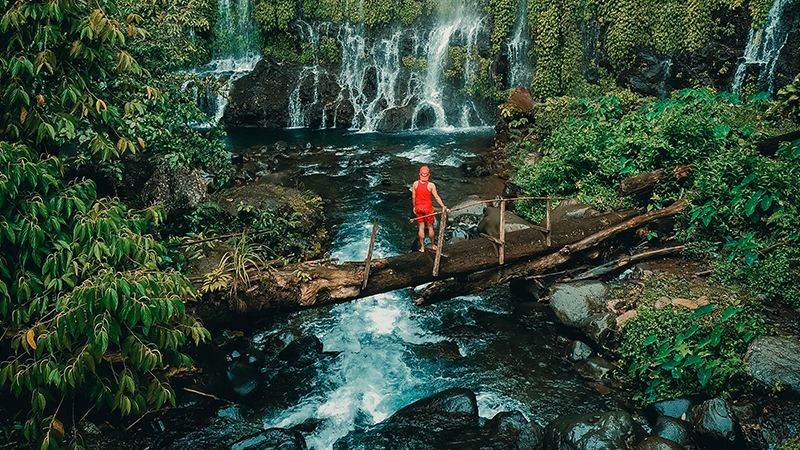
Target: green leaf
[[703, 310]]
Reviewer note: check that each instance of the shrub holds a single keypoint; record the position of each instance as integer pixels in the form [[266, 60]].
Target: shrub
[[91, 316], [672, 351]]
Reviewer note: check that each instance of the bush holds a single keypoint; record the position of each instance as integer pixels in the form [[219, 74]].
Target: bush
[[673, 352], [91, 316]]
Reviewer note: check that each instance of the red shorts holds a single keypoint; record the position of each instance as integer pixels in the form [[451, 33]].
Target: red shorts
[[429, 220]]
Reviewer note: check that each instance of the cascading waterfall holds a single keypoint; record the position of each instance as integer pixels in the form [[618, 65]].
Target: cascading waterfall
[[763, 48], [298, 113], [236, 51], [520, 70], [449, 24]]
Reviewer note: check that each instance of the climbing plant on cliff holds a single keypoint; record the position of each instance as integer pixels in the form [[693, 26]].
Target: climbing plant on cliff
[[91, 318]]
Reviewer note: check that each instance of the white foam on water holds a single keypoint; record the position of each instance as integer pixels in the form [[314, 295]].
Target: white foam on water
[[491, 403]]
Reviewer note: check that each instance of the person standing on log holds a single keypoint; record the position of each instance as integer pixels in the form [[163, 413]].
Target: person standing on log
[[422, 193]]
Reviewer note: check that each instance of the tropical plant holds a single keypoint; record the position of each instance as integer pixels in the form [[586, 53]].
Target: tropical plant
[[91, 316]]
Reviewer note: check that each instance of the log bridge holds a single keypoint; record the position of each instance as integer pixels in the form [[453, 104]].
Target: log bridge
[[464, 267]]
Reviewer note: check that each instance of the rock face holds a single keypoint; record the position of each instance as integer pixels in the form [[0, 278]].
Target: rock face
[[611, 430], [674, 430], [302, 351], [715, 424], [396, 119], [578, 351], [448, 419], [775, 361]]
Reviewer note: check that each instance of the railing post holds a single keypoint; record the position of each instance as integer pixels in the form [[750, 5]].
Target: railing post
[[440, 243], [502, 231], [368, 261], [548, 238]]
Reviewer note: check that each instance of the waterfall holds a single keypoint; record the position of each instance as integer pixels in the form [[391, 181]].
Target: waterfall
[[236, 52], [448, 25], [520, 70], [764, 48], [298, 113]]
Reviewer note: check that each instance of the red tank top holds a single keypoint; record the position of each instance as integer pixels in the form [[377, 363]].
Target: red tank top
[[423, 197]]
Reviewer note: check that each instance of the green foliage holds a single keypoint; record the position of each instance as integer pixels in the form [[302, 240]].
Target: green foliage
[[744, 205], [673, 351], [275, 15], [788, 100], [178, 32], [503, 14], [792, 444], [91, 317]]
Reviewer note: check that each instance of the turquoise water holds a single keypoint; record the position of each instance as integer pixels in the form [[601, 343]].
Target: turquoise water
[[391, 352]]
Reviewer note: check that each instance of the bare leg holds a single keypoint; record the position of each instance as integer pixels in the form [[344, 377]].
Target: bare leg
[[421, 236], [430, 235]]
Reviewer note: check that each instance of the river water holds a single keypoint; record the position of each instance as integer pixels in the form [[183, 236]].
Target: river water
[[507, 350]]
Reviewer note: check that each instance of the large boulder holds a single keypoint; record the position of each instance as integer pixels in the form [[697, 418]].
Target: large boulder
[[610, 430], [775, 361], [675, 430], [677, 408], [395, 119], [575, 303], [657, 443], [175, 190], [448, 419], [272, 439], [302, 351], [715, 424], [490, 223]]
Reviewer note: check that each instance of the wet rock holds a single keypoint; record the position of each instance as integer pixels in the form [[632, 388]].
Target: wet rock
[[578, 351], [513, 429], [262, 96], [490, 223], [302, 351], [609, 430], [594, 368], [468, 206], [770, 422], [677, 408], [450, 401], [272, 439], [475, 167], [775, 361], [219, 432], [528, 290], [715, 424], [658, 443], [649, 75], [600, 328], [675, 430], [573, 303], [396, 119]]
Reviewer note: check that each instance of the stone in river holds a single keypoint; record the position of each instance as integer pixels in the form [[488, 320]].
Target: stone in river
[[610, 430], [594, 368], [302, 351], [675, 430], [513, 428], [658, 443], [715, 424], [272, 439], [775, 361], [677, 408], [578, 351]]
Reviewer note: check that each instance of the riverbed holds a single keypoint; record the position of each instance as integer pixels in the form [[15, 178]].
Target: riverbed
[[385, 351]]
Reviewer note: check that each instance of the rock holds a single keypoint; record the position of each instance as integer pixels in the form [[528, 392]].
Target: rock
[[600, 327], [649, 75], [769, 422], [594, 368], [573, 303], [675, 430], [528, 290], [677, 408], [395, 119], [449, 401], [662, 302], [490, 223], [610, 430], [272, 439], [466, 207], [626, 316], [475, 167], [302, 351], [690, 303], [715, 424], [176, 190], [578, 351], [513, 429], [775, 361], [571, 210], [658, 443], [520, 100]]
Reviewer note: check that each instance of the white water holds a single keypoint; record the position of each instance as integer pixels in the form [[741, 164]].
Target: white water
[[763, 49], [450, 24], [236, 52], [298, 112], [520, 70]]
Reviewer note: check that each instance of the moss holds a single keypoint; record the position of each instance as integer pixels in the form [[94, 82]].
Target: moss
[[415, 64]]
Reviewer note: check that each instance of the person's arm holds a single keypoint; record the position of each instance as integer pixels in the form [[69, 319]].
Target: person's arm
[[414, 197], [436, 196]]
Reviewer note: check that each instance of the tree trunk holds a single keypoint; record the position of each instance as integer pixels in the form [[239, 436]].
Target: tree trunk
[[311, 284]]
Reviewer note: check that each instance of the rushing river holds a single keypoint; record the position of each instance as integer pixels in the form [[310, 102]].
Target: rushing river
[[391, 352]]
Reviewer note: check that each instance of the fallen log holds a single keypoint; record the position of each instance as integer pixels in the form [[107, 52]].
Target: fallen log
[[311, 284], [625, 261], [477, 282], [645, 182]]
